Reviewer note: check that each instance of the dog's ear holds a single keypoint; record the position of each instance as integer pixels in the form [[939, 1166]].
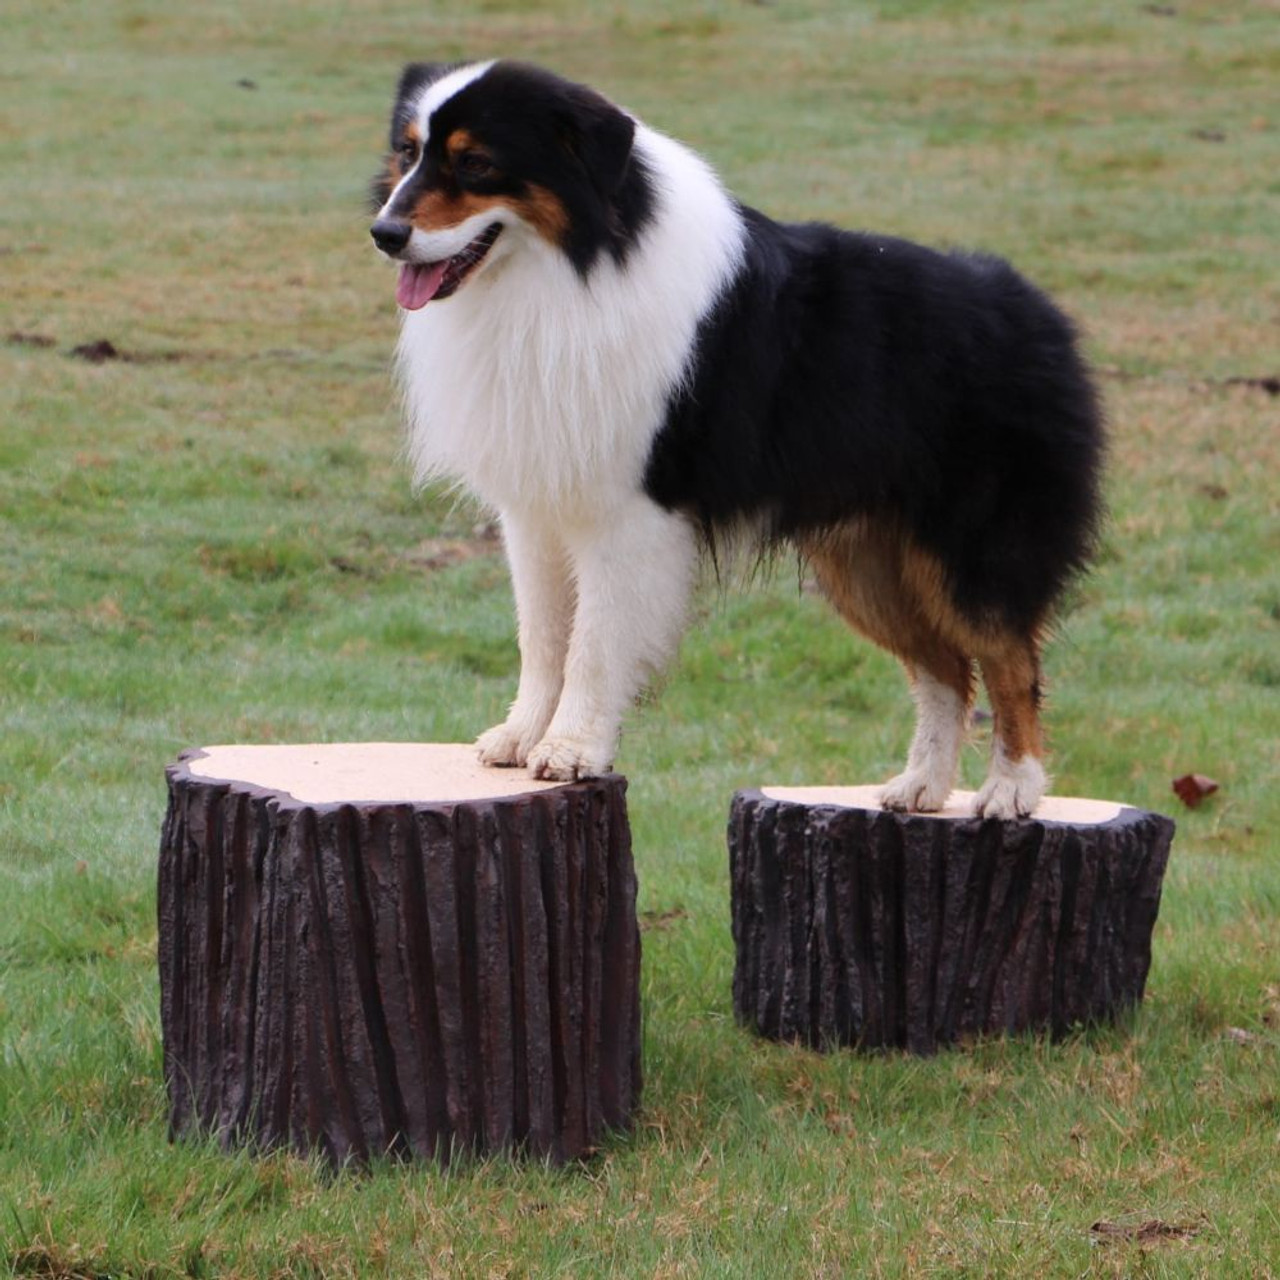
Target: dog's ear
[[598, 135]]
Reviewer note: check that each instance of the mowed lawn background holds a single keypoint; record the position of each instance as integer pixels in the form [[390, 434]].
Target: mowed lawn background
[[211, 537]]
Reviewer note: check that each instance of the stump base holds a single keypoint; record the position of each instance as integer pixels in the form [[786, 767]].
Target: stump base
[[373, 949], [855, 926]]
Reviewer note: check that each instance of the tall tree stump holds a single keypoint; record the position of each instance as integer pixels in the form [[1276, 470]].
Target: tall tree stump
[[857, 926], [386, 948]]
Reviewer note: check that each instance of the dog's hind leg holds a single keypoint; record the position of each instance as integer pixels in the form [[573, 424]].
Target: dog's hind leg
[[862, 571], [942, 713], [540, 578], [1016, 779], [634, 570]]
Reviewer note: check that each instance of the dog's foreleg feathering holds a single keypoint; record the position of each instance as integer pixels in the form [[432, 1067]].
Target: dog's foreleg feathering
[[542, 579], [632, 574], [941, 717]]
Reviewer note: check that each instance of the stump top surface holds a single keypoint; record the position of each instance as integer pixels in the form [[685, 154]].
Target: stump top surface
[[1068, 809], [363, 772]]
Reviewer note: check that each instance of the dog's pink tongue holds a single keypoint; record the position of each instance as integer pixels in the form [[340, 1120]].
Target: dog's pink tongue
[[418, 283]]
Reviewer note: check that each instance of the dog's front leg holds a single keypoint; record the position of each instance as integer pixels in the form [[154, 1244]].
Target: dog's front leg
[[540, 578], [634, 570]]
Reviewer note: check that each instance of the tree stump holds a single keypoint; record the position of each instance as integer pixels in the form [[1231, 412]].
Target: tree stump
[[857, 926], [372, 949]]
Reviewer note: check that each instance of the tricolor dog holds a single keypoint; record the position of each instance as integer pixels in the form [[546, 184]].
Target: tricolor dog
[[629, 366]]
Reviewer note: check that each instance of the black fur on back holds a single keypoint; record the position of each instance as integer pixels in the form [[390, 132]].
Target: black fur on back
[[846, 374]]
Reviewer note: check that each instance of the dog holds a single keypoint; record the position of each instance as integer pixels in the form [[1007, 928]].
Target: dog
[[629, 366]]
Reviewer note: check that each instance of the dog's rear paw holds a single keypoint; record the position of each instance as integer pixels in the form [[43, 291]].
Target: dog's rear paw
[[503, 747], [568, 759], [915, 791], [1012, 790]]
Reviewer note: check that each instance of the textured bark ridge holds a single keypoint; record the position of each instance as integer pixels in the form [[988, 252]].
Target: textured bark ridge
[[856, 926], [414, 978]]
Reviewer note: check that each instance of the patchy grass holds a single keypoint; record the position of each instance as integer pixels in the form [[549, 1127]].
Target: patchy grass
[[211, 537]]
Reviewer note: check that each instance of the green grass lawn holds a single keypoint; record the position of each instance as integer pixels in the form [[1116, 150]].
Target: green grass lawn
[[215, 539]]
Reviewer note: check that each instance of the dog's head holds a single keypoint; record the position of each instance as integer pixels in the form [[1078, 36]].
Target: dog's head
[[485, 154]]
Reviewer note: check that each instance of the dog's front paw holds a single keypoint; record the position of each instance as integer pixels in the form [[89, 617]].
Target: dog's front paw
[[568, 759], [915, 791], [503, 746], [1012, 790]]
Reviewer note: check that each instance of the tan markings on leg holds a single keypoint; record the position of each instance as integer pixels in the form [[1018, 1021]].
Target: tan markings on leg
[[862, 569], [1016, 779], [1011, 672]]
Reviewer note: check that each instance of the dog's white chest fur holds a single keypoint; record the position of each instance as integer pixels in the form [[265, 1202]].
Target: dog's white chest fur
[[541, 391]]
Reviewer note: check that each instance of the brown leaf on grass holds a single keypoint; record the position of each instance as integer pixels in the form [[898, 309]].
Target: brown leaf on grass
[[1146, 1232], [1192, 788]]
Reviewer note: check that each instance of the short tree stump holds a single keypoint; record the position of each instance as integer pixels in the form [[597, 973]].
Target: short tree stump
[[373, 949], [857, 926]]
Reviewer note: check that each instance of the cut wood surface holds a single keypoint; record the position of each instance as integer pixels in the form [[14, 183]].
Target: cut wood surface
[[857, 926], [380, 948]]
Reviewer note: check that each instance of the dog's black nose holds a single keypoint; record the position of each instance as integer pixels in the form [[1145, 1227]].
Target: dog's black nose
[[389, 235]]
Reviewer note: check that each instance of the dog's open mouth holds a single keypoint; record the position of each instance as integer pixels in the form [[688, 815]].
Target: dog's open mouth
[[420, 282]]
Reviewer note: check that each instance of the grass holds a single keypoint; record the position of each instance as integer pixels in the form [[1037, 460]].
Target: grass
[[215, 540]]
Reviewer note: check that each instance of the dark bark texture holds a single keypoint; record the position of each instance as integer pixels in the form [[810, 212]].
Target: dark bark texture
[[873, 929], [404, 979]]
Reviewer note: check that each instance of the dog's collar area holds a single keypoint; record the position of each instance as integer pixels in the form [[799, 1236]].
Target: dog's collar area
[[423, 282]]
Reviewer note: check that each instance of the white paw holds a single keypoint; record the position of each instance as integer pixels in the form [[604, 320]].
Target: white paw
[[915, 791], [568, 759], [505, 746], [1011, 790]]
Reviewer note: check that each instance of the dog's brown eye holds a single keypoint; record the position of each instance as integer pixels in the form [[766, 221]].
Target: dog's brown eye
[[408, 154], [473, 164]]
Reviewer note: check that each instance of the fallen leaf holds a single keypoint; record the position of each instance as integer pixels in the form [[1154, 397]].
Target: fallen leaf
[[1192, 788]]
